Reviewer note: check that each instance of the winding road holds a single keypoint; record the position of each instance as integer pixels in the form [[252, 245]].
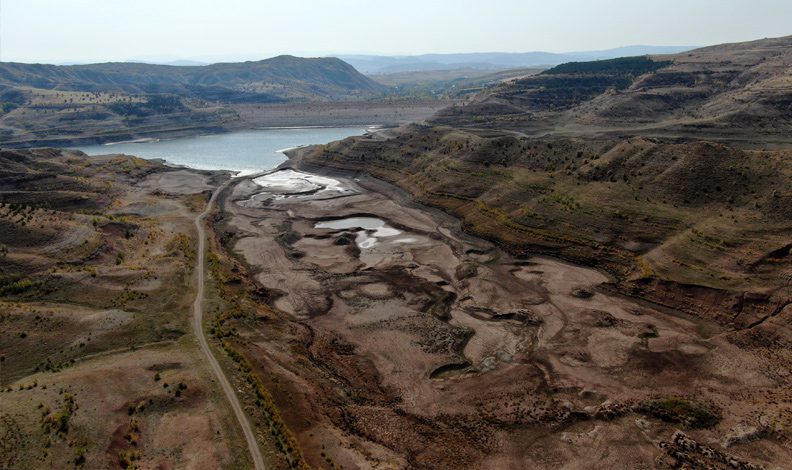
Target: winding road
[[233, 400]]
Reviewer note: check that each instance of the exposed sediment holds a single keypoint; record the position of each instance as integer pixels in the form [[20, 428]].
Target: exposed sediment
[[444, 351]]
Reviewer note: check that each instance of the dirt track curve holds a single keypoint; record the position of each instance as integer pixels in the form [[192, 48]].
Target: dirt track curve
[[255, 453]]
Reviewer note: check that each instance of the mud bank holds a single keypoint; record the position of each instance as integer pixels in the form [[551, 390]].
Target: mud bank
[[497, 361]]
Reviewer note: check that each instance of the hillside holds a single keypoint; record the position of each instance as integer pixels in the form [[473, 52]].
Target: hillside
[[733, 91], [278, 79], [96, 283], [57, 105], [448, 84], [671, 173]]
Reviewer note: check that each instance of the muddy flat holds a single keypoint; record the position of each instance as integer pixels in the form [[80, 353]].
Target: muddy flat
[[402, 342]]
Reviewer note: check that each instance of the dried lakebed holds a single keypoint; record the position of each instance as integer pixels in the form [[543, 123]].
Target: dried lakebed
[[413, 332]]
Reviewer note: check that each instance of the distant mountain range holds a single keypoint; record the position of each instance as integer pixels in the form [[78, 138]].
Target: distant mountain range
[[376, 64], [373, 64]]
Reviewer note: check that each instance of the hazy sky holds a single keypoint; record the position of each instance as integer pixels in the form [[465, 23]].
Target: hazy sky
[[102, 30]]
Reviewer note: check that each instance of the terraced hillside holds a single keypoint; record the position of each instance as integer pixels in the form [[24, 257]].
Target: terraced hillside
[[698, 221], [662, 216], [733, 91], [671, 174]]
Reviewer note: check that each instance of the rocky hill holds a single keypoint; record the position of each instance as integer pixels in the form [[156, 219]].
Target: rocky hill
[[732, 91]]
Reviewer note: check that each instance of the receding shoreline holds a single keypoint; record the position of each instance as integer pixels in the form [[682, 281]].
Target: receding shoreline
[[244, 152], [235, 118]]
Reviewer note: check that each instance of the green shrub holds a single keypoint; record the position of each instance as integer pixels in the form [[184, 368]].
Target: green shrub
[[678, 410], [59, 421], [623, 65], [79, 456], [18, 287]]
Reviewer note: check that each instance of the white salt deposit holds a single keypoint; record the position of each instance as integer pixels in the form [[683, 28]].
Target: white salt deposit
[[364, 241], [291, 182], [405, 240]]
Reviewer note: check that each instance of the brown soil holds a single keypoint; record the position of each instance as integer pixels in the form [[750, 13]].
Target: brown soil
[[96, 286], [403, 355]]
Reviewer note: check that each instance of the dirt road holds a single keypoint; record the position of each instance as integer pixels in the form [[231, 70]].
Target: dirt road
[[255, 453]]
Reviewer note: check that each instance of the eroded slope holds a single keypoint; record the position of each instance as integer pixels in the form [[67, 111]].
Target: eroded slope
[[97, 369]]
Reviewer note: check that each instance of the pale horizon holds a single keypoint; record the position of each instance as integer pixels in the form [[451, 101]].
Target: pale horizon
[[84, 31]]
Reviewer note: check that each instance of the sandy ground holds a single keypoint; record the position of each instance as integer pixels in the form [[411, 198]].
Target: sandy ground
[[504, 362]]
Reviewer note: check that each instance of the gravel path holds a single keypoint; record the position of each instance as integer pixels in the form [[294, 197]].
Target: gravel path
[[233, 400]]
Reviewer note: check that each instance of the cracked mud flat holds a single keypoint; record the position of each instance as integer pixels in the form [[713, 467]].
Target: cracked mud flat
[[425, 347]]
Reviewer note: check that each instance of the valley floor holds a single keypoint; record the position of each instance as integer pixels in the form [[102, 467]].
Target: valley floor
[[416, 345], [357, 327]]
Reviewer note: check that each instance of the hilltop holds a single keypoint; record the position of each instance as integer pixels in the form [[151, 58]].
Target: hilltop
[[377, 64]]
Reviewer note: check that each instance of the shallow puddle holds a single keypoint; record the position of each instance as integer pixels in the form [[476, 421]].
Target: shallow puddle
[[380, 228], [369, 230]]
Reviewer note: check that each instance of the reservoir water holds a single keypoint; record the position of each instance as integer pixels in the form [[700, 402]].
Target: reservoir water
[[246, 152]]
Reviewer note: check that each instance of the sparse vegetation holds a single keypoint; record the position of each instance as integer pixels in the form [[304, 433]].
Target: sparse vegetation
[[679, 410], [59, 420], [19, 287], [181, 244], [284, 440], [128, 296], [235, 309]]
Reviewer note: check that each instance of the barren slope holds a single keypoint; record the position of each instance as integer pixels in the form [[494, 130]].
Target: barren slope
[[97, 369], [733, 91]]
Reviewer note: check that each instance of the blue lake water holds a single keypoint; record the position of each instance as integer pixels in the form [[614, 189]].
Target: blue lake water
[[245, 151]]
